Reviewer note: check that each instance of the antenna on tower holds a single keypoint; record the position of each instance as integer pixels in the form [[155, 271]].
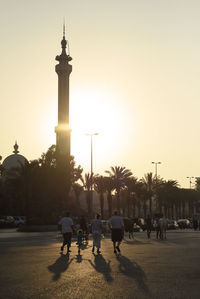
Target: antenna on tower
[[63, 27]]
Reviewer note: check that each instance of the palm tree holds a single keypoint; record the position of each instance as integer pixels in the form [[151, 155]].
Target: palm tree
[[109, 187], [130, 186], [168, 191], [99, 186], [149, 182], [87, 182], [119, 175], [140, 198]]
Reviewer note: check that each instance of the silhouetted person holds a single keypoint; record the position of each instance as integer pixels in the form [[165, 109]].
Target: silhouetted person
[[157, 226], [163, 225], [83, 226], [149, 226], [96, 233], [117, 225], [79, 240], [66, 229], [130, 228]]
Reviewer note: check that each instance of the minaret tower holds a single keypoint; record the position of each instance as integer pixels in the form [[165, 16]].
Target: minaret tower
[[63, 69]]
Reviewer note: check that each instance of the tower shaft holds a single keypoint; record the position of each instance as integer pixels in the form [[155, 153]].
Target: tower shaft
[[63, 69]]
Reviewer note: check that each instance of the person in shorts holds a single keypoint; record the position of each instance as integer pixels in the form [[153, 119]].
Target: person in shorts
[[117, 228], [66, 228]]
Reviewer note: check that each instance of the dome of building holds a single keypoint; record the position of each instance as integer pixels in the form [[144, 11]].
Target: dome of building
[[15, 160]]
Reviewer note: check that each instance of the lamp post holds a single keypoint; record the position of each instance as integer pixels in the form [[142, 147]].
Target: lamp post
[[91, 144], [190, 180], [156, 165]]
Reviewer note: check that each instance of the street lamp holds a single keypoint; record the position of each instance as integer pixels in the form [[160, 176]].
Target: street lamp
[[91, 136], [190, 180], [156, 163]]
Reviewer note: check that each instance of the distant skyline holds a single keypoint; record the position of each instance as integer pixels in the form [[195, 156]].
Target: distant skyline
[[135, 81]]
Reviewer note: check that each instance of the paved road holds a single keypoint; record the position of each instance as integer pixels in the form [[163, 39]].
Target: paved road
[[32, 267]]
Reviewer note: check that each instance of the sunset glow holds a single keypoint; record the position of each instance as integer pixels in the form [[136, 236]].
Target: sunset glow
[[134, 81]]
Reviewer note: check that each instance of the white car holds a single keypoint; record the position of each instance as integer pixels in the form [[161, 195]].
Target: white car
[[18, 220]]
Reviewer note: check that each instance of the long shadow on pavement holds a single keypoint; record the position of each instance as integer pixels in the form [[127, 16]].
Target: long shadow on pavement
[[102, 266], [133, 270], [136, 242], [60, 266]]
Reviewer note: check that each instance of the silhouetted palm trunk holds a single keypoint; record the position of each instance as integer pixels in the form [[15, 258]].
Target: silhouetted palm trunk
[[101, 197], [165, 210], [176, 211], [118, 201], [150, 205], [109, 200], [133, 206], [139, 209], [128, 205], [88, 199], [160, 206]]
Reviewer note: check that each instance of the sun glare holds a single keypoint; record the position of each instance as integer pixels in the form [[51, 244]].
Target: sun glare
[[92, 112]]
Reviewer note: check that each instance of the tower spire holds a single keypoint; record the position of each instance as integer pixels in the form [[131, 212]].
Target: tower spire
[[64, 56], [64, 28]]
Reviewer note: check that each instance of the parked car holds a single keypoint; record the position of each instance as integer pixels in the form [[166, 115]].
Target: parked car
[[2, 222], [172, 224], [7, 221], [18, 220], [183, 223]]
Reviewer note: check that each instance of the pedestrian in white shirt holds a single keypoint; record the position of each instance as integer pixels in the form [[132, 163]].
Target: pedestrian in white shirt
[[66, 224], [96, 233], [117, 226]]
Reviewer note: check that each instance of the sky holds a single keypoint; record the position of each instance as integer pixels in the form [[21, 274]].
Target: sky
[[135, 81]]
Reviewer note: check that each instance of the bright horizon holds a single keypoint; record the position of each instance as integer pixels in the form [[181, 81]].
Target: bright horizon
[[135, 81]]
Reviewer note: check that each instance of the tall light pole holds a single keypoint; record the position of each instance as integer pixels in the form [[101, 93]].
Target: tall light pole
[[91, 144], [156, 163], [156, 174], [190, 180]]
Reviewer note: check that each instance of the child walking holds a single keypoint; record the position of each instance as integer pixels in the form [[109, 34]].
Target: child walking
[[79, 240]]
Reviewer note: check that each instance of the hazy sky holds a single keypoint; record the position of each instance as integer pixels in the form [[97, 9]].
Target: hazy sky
[[135, 81]]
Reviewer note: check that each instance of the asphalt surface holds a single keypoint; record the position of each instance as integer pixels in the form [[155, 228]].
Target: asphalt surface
[[31, 266]]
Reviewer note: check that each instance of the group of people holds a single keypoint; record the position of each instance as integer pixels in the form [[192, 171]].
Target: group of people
[[160, 224], [115, 223]]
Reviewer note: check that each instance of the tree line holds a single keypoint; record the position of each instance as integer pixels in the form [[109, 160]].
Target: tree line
[[41, 191]]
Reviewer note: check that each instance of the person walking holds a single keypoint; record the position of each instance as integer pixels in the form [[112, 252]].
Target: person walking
[[157, 227], [96, 233], [149, 226], [83, 226], [130, 229], [79, 240], [66, 228], [117, 227]]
